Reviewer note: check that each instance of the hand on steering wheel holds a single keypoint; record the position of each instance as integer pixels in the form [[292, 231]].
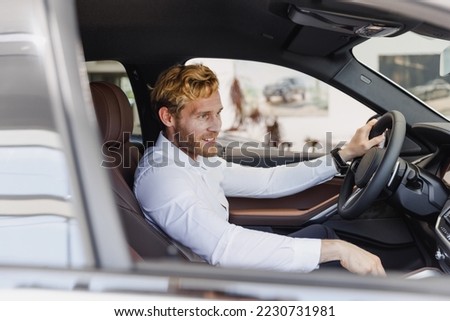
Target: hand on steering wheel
[[368, 175]]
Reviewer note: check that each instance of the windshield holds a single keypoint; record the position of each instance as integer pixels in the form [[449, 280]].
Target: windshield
[[412, 62]]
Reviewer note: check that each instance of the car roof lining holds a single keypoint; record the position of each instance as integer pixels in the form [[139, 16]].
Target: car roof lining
[[149, 30]]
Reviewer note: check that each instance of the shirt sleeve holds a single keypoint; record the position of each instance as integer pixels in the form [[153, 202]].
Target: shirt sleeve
[[276, 181], [187, 218]]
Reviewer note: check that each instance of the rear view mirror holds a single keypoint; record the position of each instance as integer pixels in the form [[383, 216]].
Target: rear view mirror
[[444, 66]]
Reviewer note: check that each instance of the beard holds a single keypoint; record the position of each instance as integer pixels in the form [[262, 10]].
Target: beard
[[196, 146]]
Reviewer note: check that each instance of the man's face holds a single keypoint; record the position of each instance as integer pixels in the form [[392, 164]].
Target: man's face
[[196, 128]]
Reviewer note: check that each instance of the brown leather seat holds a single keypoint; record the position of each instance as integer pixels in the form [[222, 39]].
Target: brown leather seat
[[115, 118]]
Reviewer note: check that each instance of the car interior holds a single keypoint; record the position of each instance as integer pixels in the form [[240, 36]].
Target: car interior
[[402, 217]]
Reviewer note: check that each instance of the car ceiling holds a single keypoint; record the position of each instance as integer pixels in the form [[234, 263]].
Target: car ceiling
[[147, 36], [139, 31]]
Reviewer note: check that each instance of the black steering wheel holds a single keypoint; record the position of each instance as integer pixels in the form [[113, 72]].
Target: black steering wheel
[[367, 176]]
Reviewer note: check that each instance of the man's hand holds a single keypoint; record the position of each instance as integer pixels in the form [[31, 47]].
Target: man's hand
[[359, 144], [351, 257]]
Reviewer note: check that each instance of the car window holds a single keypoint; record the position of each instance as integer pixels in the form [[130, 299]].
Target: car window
[[412, 62], [279, 107]]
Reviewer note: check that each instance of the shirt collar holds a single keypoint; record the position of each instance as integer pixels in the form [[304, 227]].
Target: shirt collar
[[176, 154]]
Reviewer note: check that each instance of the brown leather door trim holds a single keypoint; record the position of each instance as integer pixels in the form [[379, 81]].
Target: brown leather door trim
[[290, 211]]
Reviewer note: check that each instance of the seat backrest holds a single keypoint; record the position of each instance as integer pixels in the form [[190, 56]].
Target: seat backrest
[[115, 118]]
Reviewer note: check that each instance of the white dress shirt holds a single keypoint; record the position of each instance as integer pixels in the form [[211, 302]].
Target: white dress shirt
[[187, 199]]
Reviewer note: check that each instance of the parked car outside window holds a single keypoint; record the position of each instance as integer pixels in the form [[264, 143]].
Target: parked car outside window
[[287, 89]]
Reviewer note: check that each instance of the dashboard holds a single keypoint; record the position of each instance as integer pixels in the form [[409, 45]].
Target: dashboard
[[437, 137], [443, 239]]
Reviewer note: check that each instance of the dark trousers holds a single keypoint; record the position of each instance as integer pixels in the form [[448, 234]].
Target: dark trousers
[[315, 231], [322, 232]]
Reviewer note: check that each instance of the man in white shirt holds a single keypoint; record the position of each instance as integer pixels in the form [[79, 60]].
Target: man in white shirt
[[181, 185]]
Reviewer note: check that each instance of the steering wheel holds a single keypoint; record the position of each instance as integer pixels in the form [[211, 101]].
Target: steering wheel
[[368, 175]]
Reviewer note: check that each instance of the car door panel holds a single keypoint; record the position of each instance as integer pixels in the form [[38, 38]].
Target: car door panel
[[290, 211]]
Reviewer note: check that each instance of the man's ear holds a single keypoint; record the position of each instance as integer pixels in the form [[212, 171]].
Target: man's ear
[[166, 117]]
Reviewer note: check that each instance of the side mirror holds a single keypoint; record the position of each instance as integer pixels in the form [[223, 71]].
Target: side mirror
[[444, 65]]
